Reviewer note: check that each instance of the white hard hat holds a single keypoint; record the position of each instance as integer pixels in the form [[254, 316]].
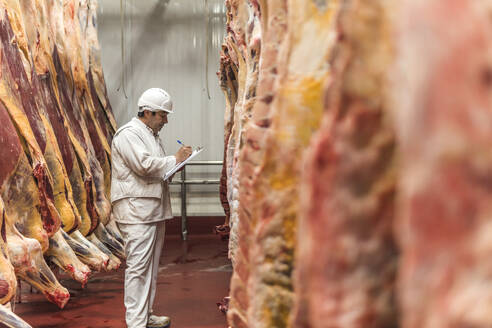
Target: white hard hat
[[155, 99]]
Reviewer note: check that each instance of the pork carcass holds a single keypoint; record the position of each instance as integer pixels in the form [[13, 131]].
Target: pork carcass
[[443, 105]]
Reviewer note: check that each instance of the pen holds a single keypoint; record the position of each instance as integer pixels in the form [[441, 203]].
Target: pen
[[180, 143]]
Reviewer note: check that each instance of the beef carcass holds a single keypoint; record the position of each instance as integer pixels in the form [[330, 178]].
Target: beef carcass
[[334, 208], [228, 83], [237, 42], [443, 116], [228, 77], [85, 198], [38, 108], [28, 123], [97, 206], [109, 238], [61, 254], [284, 118], [36, 35], [19, 190], [95, 74], [293, 117], [266, 172], [9, 319], [34, 108], [32, 221], [346, 254], [42, 44], [46, 59], [27, 258], [114, 262], [82, 113], [82, 191], [8, 281], [95, 144], [87, 252], [272, 25]]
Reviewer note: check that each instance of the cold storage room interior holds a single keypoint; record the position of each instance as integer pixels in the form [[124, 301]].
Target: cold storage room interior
[[343, 180]]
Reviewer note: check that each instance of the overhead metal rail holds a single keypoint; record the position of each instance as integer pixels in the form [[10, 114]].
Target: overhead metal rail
[[184, 183]]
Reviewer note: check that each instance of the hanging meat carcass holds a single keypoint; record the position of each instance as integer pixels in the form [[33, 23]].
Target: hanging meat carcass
[[237, 114], [49, 220], [92, 143], [228, 75], [273, 31], [292, 119], [239, 78], [8, 281], [444, 125], [346, 253], [84, 190], [19, 191], [90, 135], [237, 43], [434, 113], [9, 319], [284, 118], [102, 111], [99, 151], [98, 85], [44, 64], [29, 52], [36, 117], [43, 186], [34, 109], [95, 77], [35, 16]]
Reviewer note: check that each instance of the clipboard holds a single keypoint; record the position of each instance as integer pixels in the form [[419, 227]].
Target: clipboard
[[183, 163]]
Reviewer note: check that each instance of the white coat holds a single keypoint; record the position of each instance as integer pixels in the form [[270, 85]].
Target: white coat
[[141, 202], [138, 165]]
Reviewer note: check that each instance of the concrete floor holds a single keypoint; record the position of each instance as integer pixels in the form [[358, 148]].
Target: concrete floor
[[193, 276]]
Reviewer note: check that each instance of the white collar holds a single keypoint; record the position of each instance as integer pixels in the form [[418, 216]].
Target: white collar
[[146, 126]]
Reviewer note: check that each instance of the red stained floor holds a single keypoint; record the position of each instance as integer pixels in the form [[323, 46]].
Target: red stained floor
[[193, 276]]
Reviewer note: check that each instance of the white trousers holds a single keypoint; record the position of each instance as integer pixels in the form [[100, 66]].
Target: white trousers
[[143, 246]]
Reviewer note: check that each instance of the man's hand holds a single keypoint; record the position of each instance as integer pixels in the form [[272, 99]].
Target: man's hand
[[183, 153]]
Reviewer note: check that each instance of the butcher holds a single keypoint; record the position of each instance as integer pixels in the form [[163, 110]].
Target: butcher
[[141, 202]]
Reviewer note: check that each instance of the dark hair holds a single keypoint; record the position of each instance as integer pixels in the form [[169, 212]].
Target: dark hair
[[142, 110]]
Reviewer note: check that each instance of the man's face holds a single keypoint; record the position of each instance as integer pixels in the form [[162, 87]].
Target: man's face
[[157, 120]]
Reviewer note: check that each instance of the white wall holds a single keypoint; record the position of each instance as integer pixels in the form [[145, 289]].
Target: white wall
[[165, 45]]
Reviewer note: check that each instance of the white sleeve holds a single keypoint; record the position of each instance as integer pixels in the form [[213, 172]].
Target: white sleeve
[[134, 154]]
